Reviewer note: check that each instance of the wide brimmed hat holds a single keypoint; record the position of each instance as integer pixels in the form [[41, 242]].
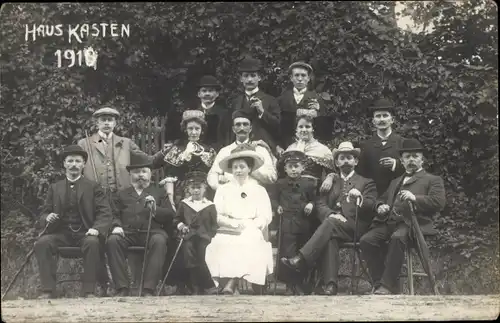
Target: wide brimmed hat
[[346, 147], [196, 177], [139, 161], [250, 65], [293, 155], [302, 65], [241, 114], [242, 151], [74, 150], [106, 111], [382, 104], [410, 145], [193, 114], [209, 81]]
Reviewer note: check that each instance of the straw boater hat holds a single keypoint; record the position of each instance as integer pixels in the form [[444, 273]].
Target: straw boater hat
[[302, 65], [410, 145], [106, 111], [382, 104], [346, 147], [139, 161], [243, 150], [209, 81], [250, 65], [74, 150]]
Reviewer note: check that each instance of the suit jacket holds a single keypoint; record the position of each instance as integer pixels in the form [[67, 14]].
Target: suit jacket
[[430, 200], [218, 133], [92, 203], [130, 212], [288, 106], [122, 149], [371, 151], [335, 201], [202, 220], [266, 128]]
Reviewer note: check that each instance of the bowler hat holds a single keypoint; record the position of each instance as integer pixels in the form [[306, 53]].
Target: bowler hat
[[250, 65], [410, 145], [302, 65], [241, 151], [106, 111], [293, 155], [139, 161], [209, 81], [382, 104], [346, 147], [74, 150], [196, 176]]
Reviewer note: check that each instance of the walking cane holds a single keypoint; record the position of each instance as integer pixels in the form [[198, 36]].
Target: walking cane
[[28, 256], [145, 252], [359, 200], [170, 267], [278, 253]]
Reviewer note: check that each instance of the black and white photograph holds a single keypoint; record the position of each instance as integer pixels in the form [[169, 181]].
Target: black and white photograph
[[249, 161]]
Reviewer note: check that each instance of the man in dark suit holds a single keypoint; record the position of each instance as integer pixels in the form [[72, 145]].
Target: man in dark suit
[[132, 209], [262, 108], [300, 97], [337, 211], [379, 159], [217, 115], [77, 213], [426, 192]]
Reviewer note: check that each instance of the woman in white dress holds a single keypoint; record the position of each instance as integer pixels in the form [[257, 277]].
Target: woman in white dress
[[238, 249]]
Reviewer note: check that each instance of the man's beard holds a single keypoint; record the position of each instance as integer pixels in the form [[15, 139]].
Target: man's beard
[[142, 183], [346, 168]]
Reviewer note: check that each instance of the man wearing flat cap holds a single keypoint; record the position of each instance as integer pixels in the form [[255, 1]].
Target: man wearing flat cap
[[379, 159], [392, 222], [76, 213], [337, 212], [132, 208], [300, 97], [262, 108], [109, 153], [217, 116]]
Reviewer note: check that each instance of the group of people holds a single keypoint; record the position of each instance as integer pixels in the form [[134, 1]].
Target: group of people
[[232, 174]]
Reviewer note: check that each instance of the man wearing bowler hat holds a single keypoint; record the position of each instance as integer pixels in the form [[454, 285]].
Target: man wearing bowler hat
[[392, 223], [379, 158], [132, 208], [263, 109], [217, 115], [77, 213], [300, 97]]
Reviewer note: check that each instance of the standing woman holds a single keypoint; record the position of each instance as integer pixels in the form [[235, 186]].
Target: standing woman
[[238, 249], [185, 155]]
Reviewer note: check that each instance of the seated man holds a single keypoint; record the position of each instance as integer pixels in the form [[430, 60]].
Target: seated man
[[77, 213], [132, 208], [426, 192], [337, 211]]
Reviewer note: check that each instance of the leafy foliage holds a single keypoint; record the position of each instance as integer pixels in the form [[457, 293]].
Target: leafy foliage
[[445, 82]]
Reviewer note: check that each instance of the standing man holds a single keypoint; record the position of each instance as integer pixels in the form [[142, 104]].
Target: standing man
[[131, 209], [262, 108], [379, 158], [392, 223], [217, 115], [109, 153], [78, 214], [337, 211], [242, 127], [300, 97]]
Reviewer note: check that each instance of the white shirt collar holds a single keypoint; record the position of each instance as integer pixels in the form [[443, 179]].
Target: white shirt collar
[[348, 176], [421, 168], [103, 135], [206, 107], [386, 137], [244, 142], [73, 180], [300, 92], [252, 92]]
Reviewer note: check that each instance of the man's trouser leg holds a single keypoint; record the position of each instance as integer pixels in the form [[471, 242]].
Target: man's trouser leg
[[157, 252], [395, 257], [92, 255], [116, 248], [373, 251]]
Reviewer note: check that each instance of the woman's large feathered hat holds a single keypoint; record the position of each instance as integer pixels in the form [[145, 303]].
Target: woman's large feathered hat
[[242, 151]]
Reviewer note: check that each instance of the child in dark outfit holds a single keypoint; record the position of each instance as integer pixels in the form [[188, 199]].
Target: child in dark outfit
[[292, 199], [196, 219]]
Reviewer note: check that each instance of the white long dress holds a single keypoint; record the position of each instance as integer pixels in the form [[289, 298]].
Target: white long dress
[[246, 255]]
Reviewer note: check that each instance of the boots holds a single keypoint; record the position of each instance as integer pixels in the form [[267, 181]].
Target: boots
[[193, 281]]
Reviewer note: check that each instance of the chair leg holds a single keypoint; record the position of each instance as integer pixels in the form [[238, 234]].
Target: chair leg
[[409, 269]]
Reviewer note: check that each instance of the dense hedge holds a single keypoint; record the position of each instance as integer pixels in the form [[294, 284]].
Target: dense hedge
[[449, 105]]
